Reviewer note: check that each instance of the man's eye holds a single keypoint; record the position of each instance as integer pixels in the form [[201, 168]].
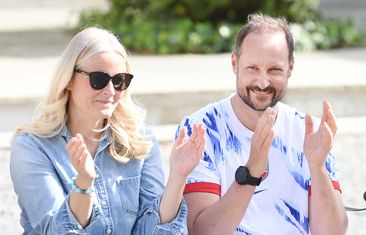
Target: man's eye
[[252, 68], [275, 70]]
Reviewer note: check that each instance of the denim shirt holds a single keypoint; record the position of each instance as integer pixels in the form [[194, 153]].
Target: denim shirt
[[127, 196]]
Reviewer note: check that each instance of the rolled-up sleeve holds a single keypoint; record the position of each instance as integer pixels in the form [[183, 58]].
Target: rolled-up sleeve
[[41, 196], [151, 190]]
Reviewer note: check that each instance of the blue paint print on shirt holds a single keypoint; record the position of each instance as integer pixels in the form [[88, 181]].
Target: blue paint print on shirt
[[207, 159], [304, 183], [188, 125], [240, 229], [278, 144], [211, 122], [302, 220], [297, 114], [299, 156], [330, 165], [177, 132], [287, 218], [232, 142], [212, 131], [216, 145]]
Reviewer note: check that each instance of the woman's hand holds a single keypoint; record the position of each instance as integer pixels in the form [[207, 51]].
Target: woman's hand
[[82, 161], [186, 155]]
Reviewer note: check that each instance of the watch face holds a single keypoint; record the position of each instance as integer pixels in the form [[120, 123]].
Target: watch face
[[241, 175]]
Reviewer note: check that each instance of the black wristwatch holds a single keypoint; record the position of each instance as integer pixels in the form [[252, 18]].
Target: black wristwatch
[[243, 177]]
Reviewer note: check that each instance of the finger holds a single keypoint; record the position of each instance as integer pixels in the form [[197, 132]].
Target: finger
[[331, 121], [268, 133], [309, 128], [70, 144], [324, 115], [74, 148], [258, 131], [79, 153], [199, 137], [265, 124], [326, 135], [83, 158], [181, 136], [74, 142], [268, 141], [80, 137], [195, 133], [202, 146]]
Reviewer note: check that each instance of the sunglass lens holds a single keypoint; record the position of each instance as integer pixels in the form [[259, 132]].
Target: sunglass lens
[[117, 82], [128, 78], [122, 81], [98, 80]]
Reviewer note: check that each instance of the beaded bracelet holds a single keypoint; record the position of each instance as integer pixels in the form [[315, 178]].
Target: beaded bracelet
[[87, 191]]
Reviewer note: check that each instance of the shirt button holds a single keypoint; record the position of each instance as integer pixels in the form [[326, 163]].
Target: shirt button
[[109, 231], [97, 175], [104, 203]]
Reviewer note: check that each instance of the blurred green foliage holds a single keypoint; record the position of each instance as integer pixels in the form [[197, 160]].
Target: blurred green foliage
[[210, 26]]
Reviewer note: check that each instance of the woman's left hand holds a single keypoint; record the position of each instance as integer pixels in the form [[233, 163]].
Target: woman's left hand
[[186, 155]]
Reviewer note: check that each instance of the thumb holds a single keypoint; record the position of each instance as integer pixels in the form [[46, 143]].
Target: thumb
[[308, 124]]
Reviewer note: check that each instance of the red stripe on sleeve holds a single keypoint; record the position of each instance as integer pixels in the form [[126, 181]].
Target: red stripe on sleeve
[[335, 184], [203, 187]]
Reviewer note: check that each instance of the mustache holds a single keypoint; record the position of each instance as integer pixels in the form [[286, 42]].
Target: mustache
[[268, 89]]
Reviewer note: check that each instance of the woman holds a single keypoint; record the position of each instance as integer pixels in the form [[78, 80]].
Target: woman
[[87, 164]]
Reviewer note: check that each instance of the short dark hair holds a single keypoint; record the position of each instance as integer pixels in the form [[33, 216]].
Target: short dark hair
[[258, 22]]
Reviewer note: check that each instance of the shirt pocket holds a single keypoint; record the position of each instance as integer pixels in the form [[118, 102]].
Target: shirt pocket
[[129, 190]]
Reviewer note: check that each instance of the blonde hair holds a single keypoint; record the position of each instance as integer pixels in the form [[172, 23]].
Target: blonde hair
[[126, 123]]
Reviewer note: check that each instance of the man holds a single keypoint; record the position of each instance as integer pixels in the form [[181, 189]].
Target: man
[[266, 169]]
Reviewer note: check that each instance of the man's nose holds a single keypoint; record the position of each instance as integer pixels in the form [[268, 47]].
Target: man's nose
[[263, 80]]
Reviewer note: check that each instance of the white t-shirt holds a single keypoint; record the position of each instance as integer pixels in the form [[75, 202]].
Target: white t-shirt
[[280, 202]]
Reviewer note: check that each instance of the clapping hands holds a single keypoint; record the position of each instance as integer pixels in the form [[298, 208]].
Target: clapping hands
[[318, 144], [81, 160], [186, 155]]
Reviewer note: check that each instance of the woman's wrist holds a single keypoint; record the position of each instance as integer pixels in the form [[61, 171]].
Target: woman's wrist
[[83, 183]]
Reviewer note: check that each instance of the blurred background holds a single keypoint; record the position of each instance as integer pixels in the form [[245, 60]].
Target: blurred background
[[180, 53]]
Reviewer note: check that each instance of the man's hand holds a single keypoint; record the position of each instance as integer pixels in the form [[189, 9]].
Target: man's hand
[[318, 144], [261, 143]]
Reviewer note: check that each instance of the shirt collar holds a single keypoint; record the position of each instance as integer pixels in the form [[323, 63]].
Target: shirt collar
[[105, 139]]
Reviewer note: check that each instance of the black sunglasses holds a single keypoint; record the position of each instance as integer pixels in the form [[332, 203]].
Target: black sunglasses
[[98, 80]]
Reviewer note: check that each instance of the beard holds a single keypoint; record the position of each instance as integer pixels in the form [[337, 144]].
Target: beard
[[277, 95]]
